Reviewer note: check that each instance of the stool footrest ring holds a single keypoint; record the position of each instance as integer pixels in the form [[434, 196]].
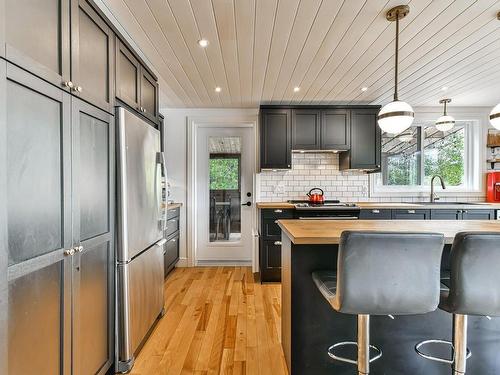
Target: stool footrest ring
[[348, 360], [438, 359]]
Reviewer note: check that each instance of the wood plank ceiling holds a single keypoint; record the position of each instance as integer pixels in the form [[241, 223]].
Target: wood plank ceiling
[[260, 50]]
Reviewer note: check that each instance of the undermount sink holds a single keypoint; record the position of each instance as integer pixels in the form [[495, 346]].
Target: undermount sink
[[450, 203]]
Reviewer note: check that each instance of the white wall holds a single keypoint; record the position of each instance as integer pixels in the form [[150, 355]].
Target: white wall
[[176, 122]]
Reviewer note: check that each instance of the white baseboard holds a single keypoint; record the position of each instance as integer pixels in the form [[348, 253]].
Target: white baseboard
[[244, 263], [183, 262]]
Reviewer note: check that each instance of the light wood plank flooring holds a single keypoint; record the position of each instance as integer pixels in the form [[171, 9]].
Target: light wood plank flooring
[[218, 321]]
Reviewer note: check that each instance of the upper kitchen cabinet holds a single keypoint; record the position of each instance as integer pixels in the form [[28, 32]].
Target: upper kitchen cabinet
[[149, 95], [275, 139], [92, 57], [365, 141], [306, 129], [335, 129], [37, 37], [135, 86]]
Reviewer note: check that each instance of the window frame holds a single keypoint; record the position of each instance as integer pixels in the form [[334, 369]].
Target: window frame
[[474, 167]]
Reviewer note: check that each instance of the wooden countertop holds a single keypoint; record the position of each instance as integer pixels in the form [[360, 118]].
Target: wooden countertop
[[171, 206], [275, 205], [329, 231]]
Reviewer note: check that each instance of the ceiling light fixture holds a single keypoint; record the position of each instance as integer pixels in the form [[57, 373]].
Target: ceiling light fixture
[[203, 43], [218, 89], [296, 89], [445, 122], [397, 115], [444, 88], [495, 112], [364, 89]]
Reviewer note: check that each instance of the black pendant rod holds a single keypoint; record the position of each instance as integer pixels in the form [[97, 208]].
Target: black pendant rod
[[396, 58]]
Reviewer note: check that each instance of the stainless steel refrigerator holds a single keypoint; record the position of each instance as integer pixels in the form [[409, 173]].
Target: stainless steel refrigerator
[[141, 217]]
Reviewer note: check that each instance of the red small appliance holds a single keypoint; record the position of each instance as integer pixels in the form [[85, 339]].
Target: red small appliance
[[493, 187]]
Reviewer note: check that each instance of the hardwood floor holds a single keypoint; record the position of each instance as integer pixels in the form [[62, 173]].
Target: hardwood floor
[[218, 321]]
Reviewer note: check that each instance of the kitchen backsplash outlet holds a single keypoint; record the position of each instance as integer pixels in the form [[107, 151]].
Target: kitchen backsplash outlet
[[322, 170]]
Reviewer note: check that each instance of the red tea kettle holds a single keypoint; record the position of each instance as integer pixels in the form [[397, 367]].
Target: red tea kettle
[[316, 198]]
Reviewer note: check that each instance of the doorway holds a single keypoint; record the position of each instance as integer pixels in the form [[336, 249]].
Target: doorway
[[224, 194]]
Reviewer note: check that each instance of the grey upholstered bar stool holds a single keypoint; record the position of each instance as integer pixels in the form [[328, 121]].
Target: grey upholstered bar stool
[[473, 288], [381, 273]]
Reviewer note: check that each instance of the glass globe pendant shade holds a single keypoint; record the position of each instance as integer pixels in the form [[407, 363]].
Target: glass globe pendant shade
[[445, 123], [395, 117], [495, 117]]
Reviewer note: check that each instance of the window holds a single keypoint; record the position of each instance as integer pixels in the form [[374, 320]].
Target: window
[[411, 158], [224, 172]]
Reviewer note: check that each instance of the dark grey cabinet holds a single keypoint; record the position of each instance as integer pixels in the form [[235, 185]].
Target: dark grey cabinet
[[270, 243], [335, 129], [59, 220], [446, 214], [366, 137], [306, 130], [93, 215], [92, 56], [478, 214], [275, 139], [171, 247], [37, 223], [375, 214], [135, 86], [149, 95], [37, 37], [411, 214]]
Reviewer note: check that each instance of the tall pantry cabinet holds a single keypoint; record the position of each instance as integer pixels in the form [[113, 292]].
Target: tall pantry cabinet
[[56, 188]]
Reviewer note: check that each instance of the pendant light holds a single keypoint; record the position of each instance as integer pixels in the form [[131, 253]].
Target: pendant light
[[397, 115], [495, 112], [445, 122]]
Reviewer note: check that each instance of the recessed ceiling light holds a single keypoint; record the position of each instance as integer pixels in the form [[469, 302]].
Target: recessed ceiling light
[[444, 88], [203, 43], [296, 89], [218, 89], [364, 89]]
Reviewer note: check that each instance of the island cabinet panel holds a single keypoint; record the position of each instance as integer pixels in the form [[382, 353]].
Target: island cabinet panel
[[92, 56], [270, 243], [335, 129], [375, 214], [306, 129], [411, 214], [366, 142], [276, 139]]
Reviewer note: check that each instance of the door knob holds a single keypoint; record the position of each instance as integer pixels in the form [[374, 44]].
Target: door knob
[[69, 251], [248, 204]]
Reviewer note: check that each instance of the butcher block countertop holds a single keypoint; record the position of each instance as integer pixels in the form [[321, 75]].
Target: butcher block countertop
[[326, 232]]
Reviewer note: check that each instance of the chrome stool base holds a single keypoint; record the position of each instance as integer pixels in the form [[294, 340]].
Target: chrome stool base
[[439, 359], [348, 360]]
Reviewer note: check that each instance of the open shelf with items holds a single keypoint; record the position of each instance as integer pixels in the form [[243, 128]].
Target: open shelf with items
[[493, 145]]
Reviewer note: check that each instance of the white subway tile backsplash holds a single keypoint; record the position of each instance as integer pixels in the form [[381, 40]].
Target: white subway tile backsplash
[[322, 170]]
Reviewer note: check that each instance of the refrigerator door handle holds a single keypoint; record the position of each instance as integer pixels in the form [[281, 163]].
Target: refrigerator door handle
[[160, 160], [161, 242]]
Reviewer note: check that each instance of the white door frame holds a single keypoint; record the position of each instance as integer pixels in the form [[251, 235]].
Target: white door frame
[[194, 124]]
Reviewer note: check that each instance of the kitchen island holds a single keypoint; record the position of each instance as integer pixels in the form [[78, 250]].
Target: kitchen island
[[310, 325]]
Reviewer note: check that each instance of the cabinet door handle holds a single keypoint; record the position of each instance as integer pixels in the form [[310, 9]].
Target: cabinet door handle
[[278, 211], [68, 84], [411, 211], [277, 243], [376, 211], [275, 221], [79, 248], [68, 252]]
